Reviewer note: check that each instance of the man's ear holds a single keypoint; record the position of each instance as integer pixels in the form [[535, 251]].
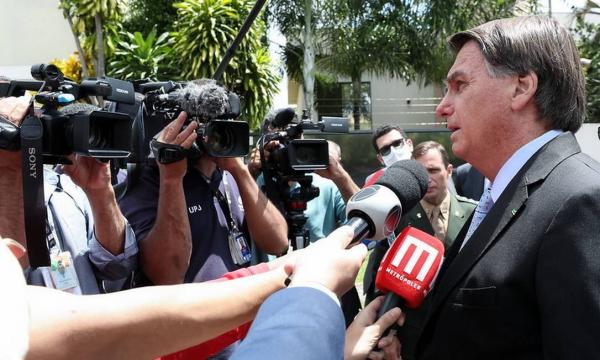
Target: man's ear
[[380, 159], [524, 92], [450, 168]]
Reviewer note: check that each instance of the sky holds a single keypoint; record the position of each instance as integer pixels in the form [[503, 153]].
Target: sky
[[559, 6]]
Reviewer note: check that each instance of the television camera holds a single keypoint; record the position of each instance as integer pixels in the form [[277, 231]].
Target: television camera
[[205, 102], [71, 127], [287, 182]]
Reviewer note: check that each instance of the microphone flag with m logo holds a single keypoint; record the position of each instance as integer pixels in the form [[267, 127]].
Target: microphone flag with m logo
[[410, 266]]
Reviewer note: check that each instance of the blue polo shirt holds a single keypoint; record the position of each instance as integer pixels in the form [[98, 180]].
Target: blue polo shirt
[[210, 257], [324, 213]]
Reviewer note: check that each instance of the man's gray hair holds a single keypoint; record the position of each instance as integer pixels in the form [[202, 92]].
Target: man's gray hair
[[539, 44]]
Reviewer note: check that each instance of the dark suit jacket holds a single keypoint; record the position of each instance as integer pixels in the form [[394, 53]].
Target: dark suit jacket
[[527, 283], [295, 323], [468, 182], [460, 211]]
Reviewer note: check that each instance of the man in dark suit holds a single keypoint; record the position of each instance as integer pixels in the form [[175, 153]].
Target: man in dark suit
[[523, 280], [440, 213], [468, 182]]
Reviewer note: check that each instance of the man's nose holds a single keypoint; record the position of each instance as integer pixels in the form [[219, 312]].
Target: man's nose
[[444, 109]]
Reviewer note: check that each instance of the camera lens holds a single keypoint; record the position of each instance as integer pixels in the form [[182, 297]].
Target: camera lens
[[221, 141], [306, 155], [99, 137]]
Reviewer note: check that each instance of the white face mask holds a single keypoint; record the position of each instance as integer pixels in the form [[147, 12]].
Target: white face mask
[[397, 153]]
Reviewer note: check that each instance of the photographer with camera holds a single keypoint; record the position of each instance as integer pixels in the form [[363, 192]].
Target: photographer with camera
[[87, 236], [329, 188], [194, 216]]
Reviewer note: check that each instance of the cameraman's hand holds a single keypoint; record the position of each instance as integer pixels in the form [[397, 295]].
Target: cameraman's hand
[[172, 134], [329, 264], [254, 164], [334, 171], [14, 108], [88, 173], [232, 164]]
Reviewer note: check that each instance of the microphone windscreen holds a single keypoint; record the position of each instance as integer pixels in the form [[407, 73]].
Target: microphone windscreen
[[207, 100], [76, 108], [281, 117], [408, 179]]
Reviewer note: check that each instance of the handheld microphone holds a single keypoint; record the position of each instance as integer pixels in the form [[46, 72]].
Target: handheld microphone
[[375, 211], [408, 269]]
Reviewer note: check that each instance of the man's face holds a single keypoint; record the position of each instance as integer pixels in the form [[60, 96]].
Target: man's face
[[391, 139], [438, 176], [476, 106]]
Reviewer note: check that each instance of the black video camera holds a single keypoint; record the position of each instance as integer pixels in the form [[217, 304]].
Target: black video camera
[[294, 158], [297, 156], [70, 127], [210, 105]]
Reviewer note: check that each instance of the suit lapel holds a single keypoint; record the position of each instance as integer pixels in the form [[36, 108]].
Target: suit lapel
[[503, 212], [457, 219]]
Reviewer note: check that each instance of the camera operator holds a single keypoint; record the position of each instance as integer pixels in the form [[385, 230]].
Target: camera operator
[[93, 239], [185, 213], [325, 212], [328, 210]]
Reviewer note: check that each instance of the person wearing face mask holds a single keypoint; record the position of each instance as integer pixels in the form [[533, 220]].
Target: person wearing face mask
[[391, 145], [440, 213]]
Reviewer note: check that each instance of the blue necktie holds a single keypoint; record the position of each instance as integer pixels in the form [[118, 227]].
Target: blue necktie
[[485, 204]]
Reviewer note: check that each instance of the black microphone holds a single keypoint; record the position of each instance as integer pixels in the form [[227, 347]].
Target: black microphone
[[204, 99], [279, 118], [374, 212]]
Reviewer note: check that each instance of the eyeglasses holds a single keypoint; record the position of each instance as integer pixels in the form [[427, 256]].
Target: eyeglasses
[[385, 150]]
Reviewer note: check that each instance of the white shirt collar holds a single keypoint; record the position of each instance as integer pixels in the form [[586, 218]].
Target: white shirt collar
[[517, 160]]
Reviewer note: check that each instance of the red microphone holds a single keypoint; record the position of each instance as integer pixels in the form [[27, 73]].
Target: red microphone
[[408, 269]]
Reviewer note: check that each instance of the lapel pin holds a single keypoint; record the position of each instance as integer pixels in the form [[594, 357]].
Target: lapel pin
[[513, 211], [419, 215]]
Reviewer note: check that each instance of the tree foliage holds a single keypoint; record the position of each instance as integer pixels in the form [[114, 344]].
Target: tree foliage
[[398, 38], [145, 15], [137, 57], [589, 48], [202, 33], [95, 26]]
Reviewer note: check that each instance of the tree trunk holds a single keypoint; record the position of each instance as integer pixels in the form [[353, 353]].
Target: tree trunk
[[99, 45], [308, 74], [81, 54], [356, 100]]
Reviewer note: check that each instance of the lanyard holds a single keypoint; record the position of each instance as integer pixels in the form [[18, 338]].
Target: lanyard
[[225, 204]]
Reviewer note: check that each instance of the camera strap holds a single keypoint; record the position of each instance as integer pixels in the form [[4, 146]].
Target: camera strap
[[167, 153], [33, 190], [224, 202], [238, 245]]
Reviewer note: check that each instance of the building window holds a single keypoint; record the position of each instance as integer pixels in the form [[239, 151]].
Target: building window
[[336, 100], [366, 115]]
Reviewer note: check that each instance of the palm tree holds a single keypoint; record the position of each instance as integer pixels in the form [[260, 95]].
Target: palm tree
[[90, 22], [202, 34]]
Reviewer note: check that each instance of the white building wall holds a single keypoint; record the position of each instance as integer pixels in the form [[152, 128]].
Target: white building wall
[[31, 31], [394, 101]]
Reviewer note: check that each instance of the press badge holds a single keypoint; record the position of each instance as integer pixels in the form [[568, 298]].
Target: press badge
[[61, 273], [238, 246]]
